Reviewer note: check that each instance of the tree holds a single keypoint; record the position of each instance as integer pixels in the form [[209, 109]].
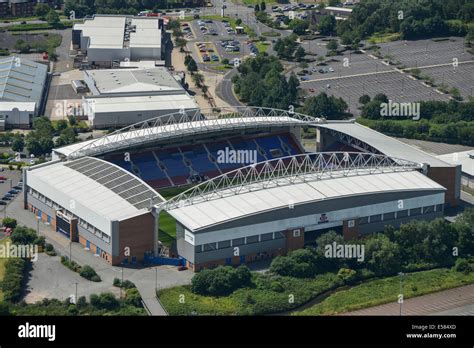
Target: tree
[[41, 10], [382, 256], [332, 45], [9, 222], [52, 18], [72, 120], [299, 26], [263, 6], [104, 301], [364, 99], [192, 66], [327, 25], [22, 46], [23, 235], [238, 21], [326, 106], [198, 79], [220, 281], [181, 43], [257, 8], [300, 53], [61, 125], [18, 144]]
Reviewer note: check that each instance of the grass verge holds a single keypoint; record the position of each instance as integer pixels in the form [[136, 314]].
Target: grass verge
[[380, 291]]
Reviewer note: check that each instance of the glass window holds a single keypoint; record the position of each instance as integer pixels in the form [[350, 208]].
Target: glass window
[[402, 213], [363, 220], [388, 216], [198, 249], [279, 235], [252, 239], [266, 236], [224, 244], [238, 241], [428, 209], [210, 246], [375, 218], [415, 212]]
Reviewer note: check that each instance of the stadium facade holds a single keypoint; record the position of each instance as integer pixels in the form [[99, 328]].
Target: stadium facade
[[108, 193]]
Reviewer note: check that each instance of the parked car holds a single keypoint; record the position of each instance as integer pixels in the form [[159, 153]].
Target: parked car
[[18, 187], [6, 198], [304, 78], [3, 203], [13, 192], [3, 178]]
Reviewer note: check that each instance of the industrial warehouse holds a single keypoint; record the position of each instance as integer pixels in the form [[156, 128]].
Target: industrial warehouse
[[120, 97], [106, 39], [108, 193]]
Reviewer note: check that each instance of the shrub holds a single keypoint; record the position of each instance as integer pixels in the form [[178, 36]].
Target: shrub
[[133, 298], [81, 302], [96, 278], [220, 281], [105, 300], [12, 281], [9, 222], [117, 282], [348, 276], [88, 272], [127, 284], [463, 266]]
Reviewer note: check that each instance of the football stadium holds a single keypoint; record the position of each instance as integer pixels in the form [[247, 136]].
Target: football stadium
[[210, 187]]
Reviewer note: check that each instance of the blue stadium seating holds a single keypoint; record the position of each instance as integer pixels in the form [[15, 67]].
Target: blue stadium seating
[[196, 159]]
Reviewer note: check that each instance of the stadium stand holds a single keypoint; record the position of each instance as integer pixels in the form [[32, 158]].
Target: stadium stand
[[190, 164]]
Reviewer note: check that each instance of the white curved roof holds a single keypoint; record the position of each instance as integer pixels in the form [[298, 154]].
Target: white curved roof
[[126, 139], [205, 214], [93, 189]]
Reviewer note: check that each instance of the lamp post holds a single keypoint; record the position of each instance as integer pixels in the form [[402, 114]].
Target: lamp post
[[76, 291], [401, 274]]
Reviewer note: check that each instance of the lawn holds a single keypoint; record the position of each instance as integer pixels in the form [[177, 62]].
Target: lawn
[[380, 291], [385, 37], [2, 266], [167, 228], [262, 46]]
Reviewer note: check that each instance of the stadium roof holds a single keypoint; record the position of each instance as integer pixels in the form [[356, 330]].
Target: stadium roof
[[382, 143], [112, 81], [21, 80], [107, 190], [179, 124], [207, 213], [464, 158]]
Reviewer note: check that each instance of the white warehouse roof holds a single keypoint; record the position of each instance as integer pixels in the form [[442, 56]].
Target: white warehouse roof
[[465, 159], [220, 210], [112, 81], [103, 31], [141, 103], [21, 80]]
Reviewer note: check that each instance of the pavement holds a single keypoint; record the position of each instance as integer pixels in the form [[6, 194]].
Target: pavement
[[50, 279], [457, 301]]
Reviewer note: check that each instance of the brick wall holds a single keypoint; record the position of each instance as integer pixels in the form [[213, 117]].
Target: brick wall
[[137, 234]]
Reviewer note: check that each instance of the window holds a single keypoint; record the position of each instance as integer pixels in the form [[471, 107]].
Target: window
[[198, 249], [224, 244], [363, 220], [388, 216], [252, 239], [428, 209], [279, 235], [296, 233], [402, 213], [375, 218], [415, 212], [351, 223], [439, 207], [238, 241], [210, 246], [266, 236]]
